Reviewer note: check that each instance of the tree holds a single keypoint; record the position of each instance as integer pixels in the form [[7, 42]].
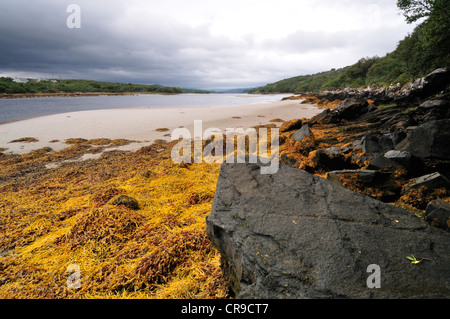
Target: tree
[[434, 32], [414, 10]]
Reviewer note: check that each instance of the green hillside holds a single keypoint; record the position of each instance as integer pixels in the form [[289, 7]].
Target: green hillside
[[422, 51], [8, 86]]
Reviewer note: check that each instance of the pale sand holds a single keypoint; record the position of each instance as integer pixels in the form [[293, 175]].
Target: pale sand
[[140, 124]]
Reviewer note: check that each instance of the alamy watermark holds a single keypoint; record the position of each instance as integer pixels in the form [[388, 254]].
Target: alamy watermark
[[241, 146], [74, 19], [374, 280], [74, 279]]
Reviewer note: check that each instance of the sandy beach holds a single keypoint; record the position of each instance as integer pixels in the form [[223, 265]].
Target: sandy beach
[[141, 124]]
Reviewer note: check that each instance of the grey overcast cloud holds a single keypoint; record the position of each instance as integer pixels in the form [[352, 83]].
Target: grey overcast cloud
[[207, 44]]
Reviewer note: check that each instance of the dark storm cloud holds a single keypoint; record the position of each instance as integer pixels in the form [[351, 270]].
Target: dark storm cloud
[[120, 41]]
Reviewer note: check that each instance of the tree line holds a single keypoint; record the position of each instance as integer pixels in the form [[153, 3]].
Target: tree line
[[32, 86]]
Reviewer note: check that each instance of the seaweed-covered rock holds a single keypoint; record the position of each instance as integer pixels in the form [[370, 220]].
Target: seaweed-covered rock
[[291, 126], [434, 180], [413, 164], [295, 235], [124, 200], [329, 160], [366, 176], [382, 162]]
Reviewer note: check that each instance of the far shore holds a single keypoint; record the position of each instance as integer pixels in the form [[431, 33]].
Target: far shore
[[76, 94], [141, 125]]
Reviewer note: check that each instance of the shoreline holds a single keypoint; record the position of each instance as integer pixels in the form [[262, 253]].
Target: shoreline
[[78, 94], [117, 214], [140, 125]]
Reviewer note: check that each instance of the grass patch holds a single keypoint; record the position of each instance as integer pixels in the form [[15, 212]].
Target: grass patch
[[384, 106]]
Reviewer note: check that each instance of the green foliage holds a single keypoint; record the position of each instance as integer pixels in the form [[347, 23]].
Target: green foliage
[[316, 82], [414, 10], [419, 53], [8, 86]]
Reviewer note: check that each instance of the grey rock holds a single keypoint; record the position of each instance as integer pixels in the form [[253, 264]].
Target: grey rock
[[434, 110], [382, 162], [370, 144], [357, 145], [395, 137], [398, 155], [430, 140], [385, 143], [434, 180], [373, 144], [296, 235], [333, 150], [323, 117], [412, 163], [435, 104], [424, 87], [436, 81], [287, 160], [301, 134], [351, 108], [366, 176], [438, 214]]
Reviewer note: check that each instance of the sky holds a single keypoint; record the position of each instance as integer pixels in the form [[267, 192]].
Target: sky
[[204, 44]]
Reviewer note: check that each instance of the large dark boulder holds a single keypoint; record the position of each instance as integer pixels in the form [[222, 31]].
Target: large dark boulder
[[351, 108], [434, 110], [323, 117], [430, 140], [413, 164], [382, 163], [424, 87], [435, 82], [296, 235], [377, 144]]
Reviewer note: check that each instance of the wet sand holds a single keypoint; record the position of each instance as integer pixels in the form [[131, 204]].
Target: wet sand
[[141, 124]]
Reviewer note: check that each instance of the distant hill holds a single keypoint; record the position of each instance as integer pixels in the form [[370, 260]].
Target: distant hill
[[237, 90], [10, 86], [424, 50]]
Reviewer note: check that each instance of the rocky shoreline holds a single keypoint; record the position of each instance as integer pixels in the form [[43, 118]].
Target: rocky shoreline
[[411, 93], [364, 183], [396, 138]]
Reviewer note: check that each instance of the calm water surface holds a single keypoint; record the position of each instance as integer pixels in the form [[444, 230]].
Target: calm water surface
[[22, 108]]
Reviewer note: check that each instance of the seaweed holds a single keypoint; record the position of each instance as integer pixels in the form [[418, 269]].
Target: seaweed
[[51, 219]]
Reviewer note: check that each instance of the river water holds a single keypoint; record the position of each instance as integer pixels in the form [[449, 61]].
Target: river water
[[23, 108]]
